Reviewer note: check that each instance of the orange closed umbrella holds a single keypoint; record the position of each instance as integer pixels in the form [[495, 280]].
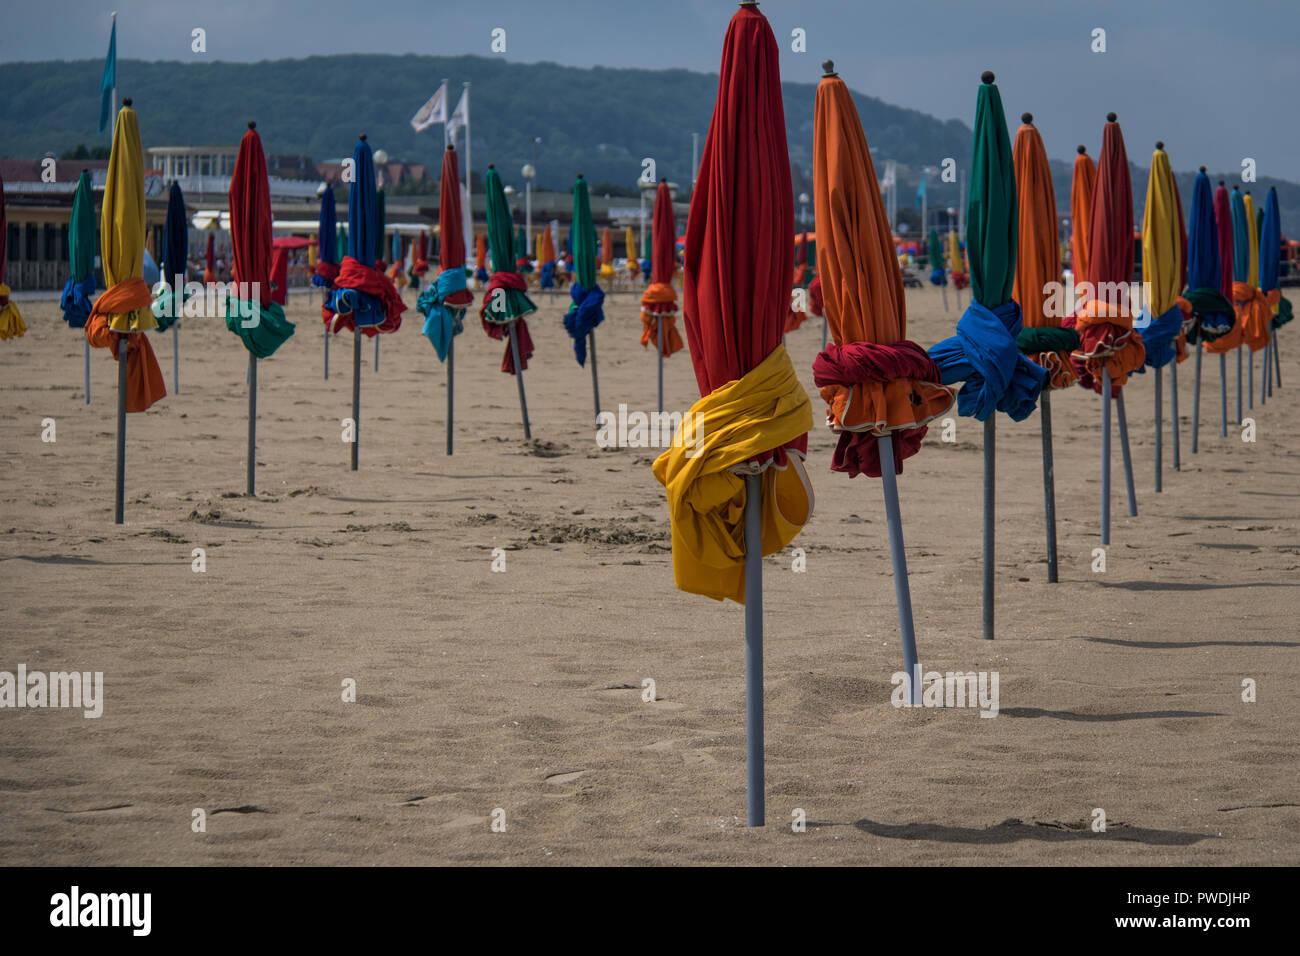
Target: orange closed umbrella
[[659, 301], [1081, 186], [1039, 293], [607, 253], [878, 385]]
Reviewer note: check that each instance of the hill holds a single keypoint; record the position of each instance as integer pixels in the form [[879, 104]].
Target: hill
[[600, 121]]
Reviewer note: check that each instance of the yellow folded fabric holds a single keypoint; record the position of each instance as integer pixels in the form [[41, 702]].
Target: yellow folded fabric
[[741, 420], [12, 325]]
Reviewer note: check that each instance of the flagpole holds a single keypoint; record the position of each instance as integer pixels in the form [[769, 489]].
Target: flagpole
[[469, 190]]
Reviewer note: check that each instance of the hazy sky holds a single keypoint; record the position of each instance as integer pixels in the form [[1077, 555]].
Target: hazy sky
[[1215, 80]]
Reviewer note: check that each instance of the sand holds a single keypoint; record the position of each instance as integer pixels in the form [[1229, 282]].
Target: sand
[[480, 691]]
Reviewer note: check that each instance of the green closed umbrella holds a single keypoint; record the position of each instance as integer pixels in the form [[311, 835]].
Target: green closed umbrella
[[82, 242], [505, 303], [983, 354], [587, 310]]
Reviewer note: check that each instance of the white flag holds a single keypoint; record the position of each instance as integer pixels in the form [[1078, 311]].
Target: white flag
[[432, 112], [459, 117]]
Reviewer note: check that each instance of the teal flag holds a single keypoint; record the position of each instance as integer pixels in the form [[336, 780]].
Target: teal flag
[[109, 83]]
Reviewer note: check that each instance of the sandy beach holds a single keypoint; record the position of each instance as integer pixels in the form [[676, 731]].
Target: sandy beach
[[522, 691]]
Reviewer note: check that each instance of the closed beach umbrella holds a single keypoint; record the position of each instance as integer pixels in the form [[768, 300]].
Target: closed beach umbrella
[[587, 310], [254, 314], [983, 354], [80, 287], [210, 257], [1082, 183], [171, 294], [1212, 313], [327, 257], [1110, 350], [1039, 291], [363, 298], [1162, 274], [1254, 314], [480, 258], [659, 301], [420, 257], [736, 485], [606, 253], [546, 259], [122, 311], [445, 301], [1270, 253], [505, 303], [11, 320], [881, 390]]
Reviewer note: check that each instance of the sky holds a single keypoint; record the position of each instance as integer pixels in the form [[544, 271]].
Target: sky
[[1216, 81]]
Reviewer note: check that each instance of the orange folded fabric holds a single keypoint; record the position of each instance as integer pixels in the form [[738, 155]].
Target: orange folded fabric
[[1254, 315], [144, 381], [659, 304]]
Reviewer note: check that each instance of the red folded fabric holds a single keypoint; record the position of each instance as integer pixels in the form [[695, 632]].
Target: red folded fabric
[[498, 331], [328, 271], [859, 363], [362, 278]]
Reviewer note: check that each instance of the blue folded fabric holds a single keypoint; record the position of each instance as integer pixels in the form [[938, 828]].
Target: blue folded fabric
[[364, 308], [584, 315], [548, 275], [320, 281], [983, 354], [442, 321], [1158, 335], [481, 275], [75, 301], [937, 277]]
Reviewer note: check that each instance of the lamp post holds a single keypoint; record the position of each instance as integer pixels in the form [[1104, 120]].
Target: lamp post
[[803, 209], [529, 172], [645, 188]]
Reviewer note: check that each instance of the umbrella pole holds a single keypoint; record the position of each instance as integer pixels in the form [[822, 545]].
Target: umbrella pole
[[87, 344], [451, 388], [754, 648], [1223, 395], [176, 358], [1049, 484], [1174, 423], [1263, 378], [944, 290], [595, 379], [898, 558], [1160, 448], [327, 353], [1196, 402], [1277, 361], [1250, 378], [823, 333], [119, 506], [252, 424], [376, 353], [990, 463], [1239, 408], [1124, 453], [660, 322], [356, 394], [1105, 455], [519, 378]]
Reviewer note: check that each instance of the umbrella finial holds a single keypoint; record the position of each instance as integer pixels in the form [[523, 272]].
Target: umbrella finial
[[451, 147], [1222, 183], [828, 68], [252, 125], [492, 165], [1083, 150], [127, 101], [1160, 144], [1111, 117], [1027, 118], [987, 76], [363, 137], [1202, 169]]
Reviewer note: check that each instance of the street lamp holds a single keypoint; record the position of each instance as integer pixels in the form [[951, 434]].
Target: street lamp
[[529, 172], [803, 209], [380, 157]]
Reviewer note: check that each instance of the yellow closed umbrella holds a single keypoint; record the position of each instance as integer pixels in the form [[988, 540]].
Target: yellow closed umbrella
[[123, 311], [1252, 273]]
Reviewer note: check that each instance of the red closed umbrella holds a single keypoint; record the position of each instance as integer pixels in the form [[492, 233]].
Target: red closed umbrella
[[659, 301], [740, 449]]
